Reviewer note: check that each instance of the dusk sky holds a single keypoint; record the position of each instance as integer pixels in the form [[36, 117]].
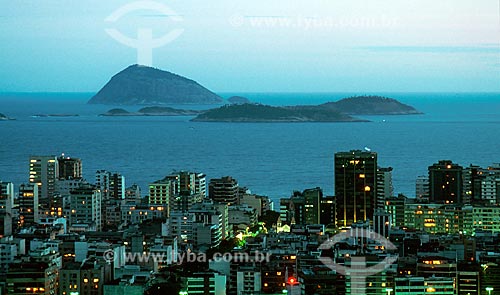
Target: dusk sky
[[258, 46]]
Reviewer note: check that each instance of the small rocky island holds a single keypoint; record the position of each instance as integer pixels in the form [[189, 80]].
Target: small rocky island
[[371, 105], [266, 113], [238, 100], [54, 115], [151, 111], [142, 85], [339, 111]]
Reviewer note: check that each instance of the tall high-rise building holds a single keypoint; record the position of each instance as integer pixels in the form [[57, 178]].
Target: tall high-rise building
[[306, 207], [6, 205], [312, 205], [422, 187], [209, 213], [385, 188], [355, 186], [296, 209], [44, 170], [191, 189], [6, 195], [179, 191], [206, 223], [224, 190], [327, 211], [490, 193], [472, 180], [160, 191], [395, 206], [69, 168], [481, 186], [85, 207], [191, 183], [112, 185], [28, 204], [445, 182]]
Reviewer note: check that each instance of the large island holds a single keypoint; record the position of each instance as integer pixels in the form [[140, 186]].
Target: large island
[[266, 113], [339, 111]]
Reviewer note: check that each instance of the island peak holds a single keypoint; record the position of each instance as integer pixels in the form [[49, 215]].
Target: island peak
[[371, 105], [138, 84]]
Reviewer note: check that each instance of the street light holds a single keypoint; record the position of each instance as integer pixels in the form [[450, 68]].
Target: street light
[[389, 290], [489, 289]]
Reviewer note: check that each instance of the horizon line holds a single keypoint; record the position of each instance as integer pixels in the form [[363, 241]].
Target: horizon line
[[270, 92]]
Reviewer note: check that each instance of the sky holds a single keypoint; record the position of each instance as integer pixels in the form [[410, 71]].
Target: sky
[[255, 46]]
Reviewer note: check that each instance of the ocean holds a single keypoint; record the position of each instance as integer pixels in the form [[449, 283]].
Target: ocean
[[272, 159]]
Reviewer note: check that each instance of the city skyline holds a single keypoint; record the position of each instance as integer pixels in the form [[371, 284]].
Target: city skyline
[[256, 47], [423, 240]]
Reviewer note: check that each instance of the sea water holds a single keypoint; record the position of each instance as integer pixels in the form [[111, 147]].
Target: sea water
[[272, 159]]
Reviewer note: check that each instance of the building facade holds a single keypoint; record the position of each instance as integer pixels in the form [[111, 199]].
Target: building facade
[[85, 207], [69, 168], [28, 204], [385, 188], [112, 185], [445, 183], [6, 205], [43, 171], [224, 190], [355, 186]]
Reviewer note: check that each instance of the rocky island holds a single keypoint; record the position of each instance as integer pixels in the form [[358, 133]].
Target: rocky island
[[145, 85], [151, 111], [54, 115], [238, 100], [339, 111], [266, 113], [142, 85], [371, 105]]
